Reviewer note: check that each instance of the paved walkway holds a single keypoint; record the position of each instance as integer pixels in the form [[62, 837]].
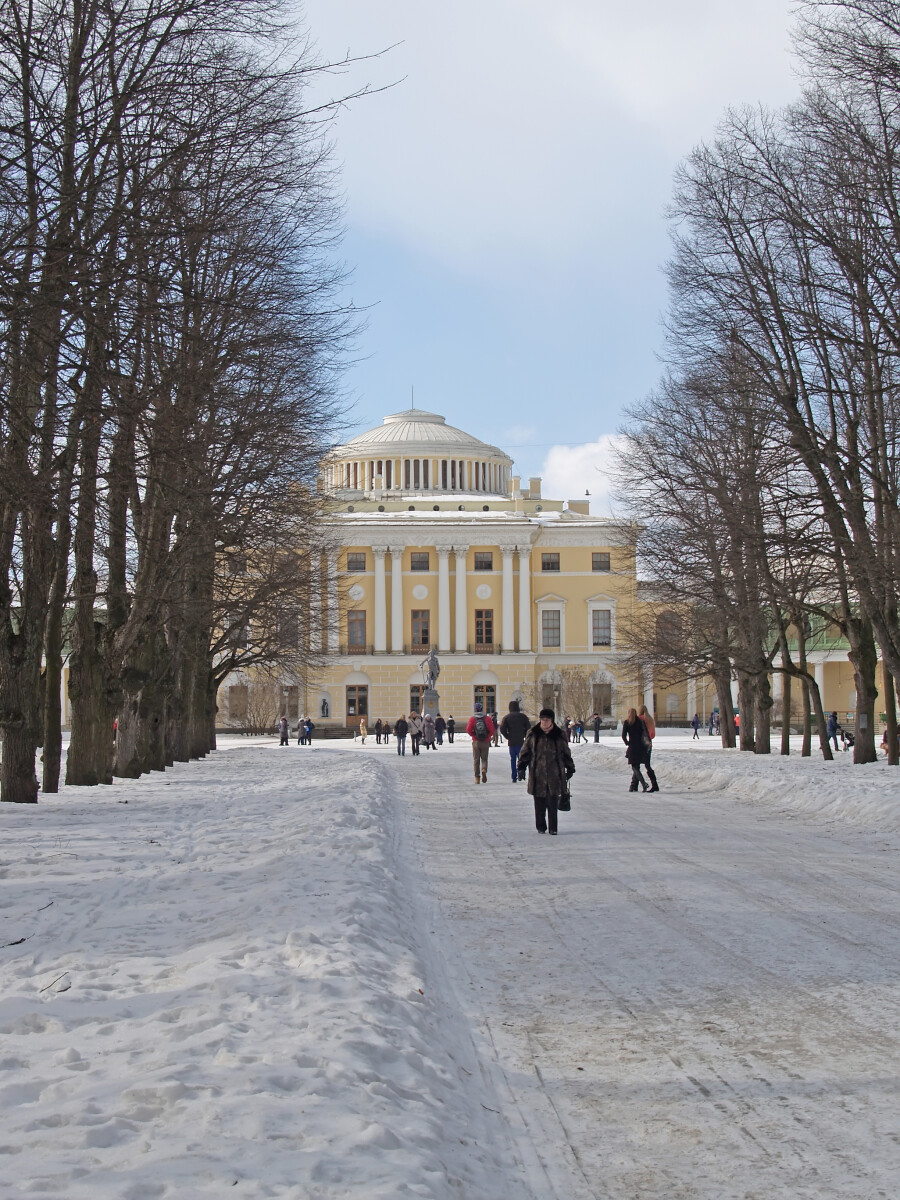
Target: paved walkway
[[680, 996]]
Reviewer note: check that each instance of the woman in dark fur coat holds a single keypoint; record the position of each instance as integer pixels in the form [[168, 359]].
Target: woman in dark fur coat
[[548, 758]]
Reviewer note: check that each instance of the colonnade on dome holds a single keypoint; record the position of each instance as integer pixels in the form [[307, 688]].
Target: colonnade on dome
[[420, 473]]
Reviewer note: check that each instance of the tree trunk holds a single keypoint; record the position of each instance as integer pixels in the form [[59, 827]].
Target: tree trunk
[[52, 755], [745, 704], [863, 655], [820, 720], [762, 714], [890, 712], [786, 713], [143, 715], [92, 746], [18, 781], [726, 709]]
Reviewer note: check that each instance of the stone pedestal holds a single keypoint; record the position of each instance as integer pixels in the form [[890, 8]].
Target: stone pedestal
[[430, 703]]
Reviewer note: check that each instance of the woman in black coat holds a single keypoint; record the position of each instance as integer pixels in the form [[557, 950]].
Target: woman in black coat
[[635, 736]]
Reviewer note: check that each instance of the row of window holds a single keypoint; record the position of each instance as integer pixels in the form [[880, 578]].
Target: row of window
[[420, 560], [357, 700], [601, 627]]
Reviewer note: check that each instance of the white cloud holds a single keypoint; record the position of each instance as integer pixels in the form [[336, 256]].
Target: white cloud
[[524, 131], [570, 471]]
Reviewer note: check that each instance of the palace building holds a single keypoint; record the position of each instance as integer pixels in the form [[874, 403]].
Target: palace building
[[438, 544]]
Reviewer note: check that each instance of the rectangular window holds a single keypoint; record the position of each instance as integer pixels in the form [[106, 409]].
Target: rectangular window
[[237, 632], [550, 627], [287, 629], [484, 626], [421, 631], [356, 627], [357, 702], [550, 562], [236, 564], [484, 560], [601, 619], [602, 695], [486, 696], [356, 560], [238, 701], [415, 697], [418, 560], [600, 562]]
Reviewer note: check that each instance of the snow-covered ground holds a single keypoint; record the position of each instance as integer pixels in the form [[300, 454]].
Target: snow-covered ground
[[868, 794], [326, 973]]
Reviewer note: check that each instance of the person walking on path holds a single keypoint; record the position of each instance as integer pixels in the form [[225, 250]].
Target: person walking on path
[[363, 731], [301, 731], [428, 733], [647, 717], [637, 748], [480, 729], [514, 727], [451, 729], [308, 727], [386, 731], [495, 740], [284, 731], [378, 732], [596, 723], [831, 729], [695, 725], [401, 729], [440, 728], [547, 758], [415, 731]]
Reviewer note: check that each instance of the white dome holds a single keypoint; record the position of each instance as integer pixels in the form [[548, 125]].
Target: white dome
[[415, 431], [417, 453]]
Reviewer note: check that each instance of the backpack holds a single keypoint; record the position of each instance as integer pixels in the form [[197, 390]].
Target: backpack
[[481, 729]]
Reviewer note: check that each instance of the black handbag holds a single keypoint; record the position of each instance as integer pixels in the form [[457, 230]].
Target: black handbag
[[565, 801]]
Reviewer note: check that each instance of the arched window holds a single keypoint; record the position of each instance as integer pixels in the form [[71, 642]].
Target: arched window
[[669, 632]]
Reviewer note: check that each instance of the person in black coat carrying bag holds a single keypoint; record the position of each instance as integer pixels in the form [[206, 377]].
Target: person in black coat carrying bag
[[547, 758]]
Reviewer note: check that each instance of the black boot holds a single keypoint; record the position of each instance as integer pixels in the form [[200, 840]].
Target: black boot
[[655, 785]]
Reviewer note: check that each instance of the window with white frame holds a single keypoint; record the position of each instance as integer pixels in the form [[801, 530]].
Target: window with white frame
[[601, 627], [550, 628]]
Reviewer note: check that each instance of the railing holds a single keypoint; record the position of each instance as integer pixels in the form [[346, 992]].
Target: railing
[[484, 648], [347, 650]]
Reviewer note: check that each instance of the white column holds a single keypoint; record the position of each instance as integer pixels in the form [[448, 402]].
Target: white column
[[777, 681], [648, 688], [525, 598], [691, 698], [332, 606], [462, 616], [397, 599], [443, 599], [315, 605], [380, 640], [819, 672], [507, 636]]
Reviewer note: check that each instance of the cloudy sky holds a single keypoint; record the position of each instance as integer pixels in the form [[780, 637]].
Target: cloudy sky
[[505, 202]]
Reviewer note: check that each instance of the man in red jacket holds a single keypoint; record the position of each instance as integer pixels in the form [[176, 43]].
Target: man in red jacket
[[480, 729]]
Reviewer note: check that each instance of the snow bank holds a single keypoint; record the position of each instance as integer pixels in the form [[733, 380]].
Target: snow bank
[[866, 795], [214, 984]]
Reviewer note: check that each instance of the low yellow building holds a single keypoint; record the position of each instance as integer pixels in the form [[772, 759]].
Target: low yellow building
[[438, 544]]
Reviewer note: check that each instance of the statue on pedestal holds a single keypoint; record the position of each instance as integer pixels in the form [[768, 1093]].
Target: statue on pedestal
[[431, 668]]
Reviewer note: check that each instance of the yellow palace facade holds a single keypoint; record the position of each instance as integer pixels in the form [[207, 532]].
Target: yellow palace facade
[[436, 544]]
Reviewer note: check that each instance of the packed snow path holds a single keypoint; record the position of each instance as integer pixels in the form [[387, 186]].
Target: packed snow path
[[336, 974], [687, 997]]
